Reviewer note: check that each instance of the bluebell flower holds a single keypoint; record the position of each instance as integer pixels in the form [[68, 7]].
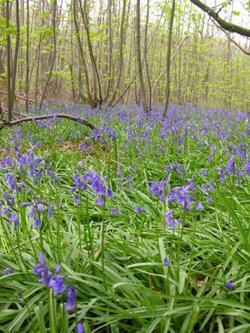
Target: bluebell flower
[[8, 271], [49, 211], [209, 200], [100, 201], [230, 286], [158, 189], [37, 222], [165, 261], [139, 210], [98, 187], [114, 211], [57, 268], [71, 303], [42, 271], [199, 207], [246, 167], [169, 219], [11, 179], [57, 284], [230, 168], [109, 193], [80, 328], [14, 218]]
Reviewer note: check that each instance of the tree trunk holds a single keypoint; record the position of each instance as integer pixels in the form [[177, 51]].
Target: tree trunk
[[170, 32], [138, 57], [9, 72]]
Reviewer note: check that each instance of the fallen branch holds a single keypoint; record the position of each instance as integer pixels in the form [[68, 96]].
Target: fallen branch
[[48, 116]]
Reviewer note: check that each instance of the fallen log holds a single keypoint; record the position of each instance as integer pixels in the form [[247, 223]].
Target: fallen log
[[4, 124]]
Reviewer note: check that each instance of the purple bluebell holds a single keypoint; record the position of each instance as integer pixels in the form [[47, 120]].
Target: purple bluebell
[[37, 222], [40, 207], [57, 284], [230, 168], [199, 207], [100, 201], [209, 200], [11, 179], [14, 218], [8, 271], [165, 261], [203, 172], [230, 286], [181, 195], [71, 302], [49, 211], [139, 210], [114, 211], [158, 189], [109, 193], [169, 219], [246, 167], [98, 187], [42, 271], [80, 328]]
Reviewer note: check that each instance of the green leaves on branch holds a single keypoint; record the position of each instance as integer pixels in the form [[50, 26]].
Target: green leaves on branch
[[11, 30]]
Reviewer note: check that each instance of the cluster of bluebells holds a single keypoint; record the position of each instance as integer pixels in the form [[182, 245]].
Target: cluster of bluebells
[[182, 196], [110, 132], [30, 165], [232, 169], [158, 189], [55, 281], [9, 210], [206, 189], [175, 166], [37, 209], [170, 220], [93, 181]]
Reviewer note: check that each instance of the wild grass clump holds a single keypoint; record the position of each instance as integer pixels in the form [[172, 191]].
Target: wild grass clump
[[143, 226]]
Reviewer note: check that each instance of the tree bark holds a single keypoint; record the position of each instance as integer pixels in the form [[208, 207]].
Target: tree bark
[[85, 19], [224, 24], [120, 54], [9, 72], [170, 32], [138, 57], [48, 116]]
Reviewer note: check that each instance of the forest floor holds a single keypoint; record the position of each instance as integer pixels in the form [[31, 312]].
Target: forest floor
[[142, 226]]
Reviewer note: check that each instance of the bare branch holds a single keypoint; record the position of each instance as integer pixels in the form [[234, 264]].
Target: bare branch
[[48, 116], [231, 39]]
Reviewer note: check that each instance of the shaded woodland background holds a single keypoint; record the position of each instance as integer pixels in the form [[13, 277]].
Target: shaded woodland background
[[93, 52]]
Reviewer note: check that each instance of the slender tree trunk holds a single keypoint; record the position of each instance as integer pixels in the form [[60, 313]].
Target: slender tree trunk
[[27, 57], [9, 72], [110, 56], [138, 57], [90, 48], [54, 54], [145, 56], [16, 53], [170, 32], [120, 54], [82, 56]]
